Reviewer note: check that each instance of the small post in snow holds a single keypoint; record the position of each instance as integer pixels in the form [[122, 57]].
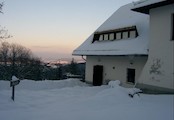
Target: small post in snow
[[15, 81], [13, 93]]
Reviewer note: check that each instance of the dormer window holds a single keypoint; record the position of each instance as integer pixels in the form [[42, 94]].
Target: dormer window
[[116, 34], [111, 36], [101, 38], [125, 35], [132, 34], [106, 36]]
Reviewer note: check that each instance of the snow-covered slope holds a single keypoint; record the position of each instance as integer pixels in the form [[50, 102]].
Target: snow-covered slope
[[73, 100], [123, 17]]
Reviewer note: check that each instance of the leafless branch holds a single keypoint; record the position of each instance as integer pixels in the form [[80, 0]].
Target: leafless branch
[[4, 34], [1, 5]]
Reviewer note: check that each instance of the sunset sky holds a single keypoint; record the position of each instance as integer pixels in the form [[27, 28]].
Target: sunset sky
[[52, 29]]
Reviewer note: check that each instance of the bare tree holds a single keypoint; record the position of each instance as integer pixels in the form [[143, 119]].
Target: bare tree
[[1, 5], [3, 31], [4, 51], [18, 60], [24, 54]]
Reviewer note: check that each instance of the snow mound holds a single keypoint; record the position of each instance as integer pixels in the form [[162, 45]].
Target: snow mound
[[122, 92], [134, 91], [42, 85], [14, 78], [114, 83]]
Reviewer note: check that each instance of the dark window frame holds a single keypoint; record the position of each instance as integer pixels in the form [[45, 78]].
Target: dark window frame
[[115, 31]]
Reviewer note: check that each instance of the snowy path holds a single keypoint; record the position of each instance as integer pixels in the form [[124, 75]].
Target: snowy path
[[73, 100]]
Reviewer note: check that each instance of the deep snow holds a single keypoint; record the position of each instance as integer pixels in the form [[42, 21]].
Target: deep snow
[[73, 100]]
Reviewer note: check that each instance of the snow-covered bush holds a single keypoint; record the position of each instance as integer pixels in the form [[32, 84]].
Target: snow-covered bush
[[114, 83], [134, 91]]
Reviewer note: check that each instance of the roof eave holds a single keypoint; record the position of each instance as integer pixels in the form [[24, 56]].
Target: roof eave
[[145, 9], [109, 54]]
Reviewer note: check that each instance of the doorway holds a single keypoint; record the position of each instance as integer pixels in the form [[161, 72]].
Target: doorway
[[131, 75], [98, 75]]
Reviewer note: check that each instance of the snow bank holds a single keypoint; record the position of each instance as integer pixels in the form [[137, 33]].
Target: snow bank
[[73, 100], [4, 85], [114, 83], [127, 91], [42, 85]]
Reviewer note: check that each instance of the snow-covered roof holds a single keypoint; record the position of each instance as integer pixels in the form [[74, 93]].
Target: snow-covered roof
[[123, 17], [144, 5]]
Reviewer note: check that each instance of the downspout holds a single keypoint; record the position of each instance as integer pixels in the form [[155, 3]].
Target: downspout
[[83, 58]]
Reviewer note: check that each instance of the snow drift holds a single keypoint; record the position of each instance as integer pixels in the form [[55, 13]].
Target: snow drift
[[73, 100]]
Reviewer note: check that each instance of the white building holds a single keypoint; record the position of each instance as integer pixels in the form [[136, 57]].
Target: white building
[[159, 69], [122, 48]]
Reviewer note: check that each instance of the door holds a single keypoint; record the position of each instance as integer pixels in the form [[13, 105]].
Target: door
[[131, 75], [98, 75]]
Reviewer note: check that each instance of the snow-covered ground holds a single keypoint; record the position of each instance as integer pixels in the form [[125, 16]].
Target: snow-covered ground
[[73, 100]]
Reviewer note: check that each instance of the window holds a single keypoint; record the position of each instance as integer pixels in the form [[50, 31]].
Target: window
[[116, 34], [132, 34], [101, 38], [106, 37], [125, 35], [111, 36]]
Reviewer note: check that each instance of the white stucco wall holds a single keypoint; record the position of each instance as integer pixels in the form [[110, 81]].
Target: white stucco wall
[[159, 69], [114, 68]]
